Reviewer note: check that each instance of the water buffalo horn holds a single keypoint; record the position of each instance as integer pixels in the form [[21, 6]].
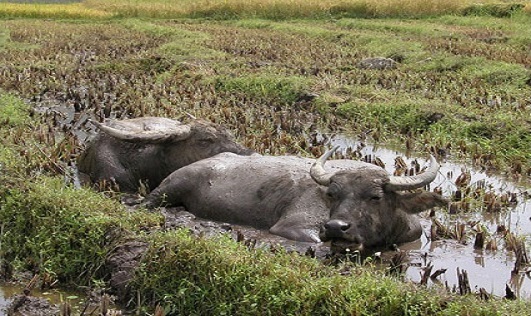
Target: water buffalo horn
[[317, 171], [133, 133], [414, 182]]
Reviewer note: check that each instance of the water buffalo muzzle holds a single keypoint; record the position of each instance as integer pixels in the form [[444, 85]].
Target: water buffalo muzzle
[[335, 228]]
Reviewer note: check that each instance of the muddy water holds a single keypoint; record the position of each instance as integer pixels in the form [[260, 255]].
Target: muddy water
[[51, 301], [55, 298], [490, 270]]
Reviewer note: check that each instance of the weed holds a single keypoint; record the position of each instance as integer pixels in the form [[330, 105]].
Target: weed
[[268, 88], [500, 10], [13, 111]]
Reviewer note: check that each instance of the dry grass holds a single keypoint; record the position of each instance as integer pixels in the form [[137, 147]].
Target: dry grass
[[31, 10], [269, 9], [281, 9]]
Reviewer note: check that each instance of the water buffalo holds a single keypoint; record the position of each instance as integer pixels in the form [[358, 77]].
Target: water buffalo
[[148, 149], [355, 205]]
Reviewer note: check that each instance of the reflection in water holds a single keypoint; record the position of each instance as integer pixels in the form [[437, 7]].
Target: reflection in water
[[490, 270], [80, 304]]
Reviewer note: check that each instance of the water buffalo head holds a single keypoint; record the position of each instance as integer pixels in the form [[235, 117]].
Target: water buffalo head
[[147, 149], [370, 208], [201, 138]]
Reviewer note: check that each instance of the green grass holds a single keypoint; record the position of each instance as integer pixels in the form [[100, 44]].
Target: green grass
[[248, 73], [266, 88], [63, 232], [220, 276], [13, 111]]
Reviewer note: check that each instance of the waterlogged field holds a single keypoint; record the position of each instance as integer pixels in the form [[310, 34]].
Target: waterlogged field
[[459, 88]]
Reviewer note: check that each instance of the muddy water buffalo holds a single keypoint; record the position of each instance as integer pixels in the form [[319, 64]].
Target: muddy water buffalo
[[148, 149], [355, 204]]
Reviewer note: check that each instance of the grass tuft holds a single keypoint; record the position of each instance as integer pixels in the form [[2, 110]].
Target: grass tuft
[[13, 111], [267, 88]]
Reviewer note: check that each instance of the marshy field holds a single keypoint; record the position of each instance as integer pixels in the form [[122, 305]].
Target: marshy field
[[285, 77]]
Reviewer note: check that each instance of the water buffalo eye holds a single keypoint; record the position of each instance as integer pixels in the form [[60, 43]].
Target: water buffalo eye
[[376, 198], [206, 141], [333, 191]]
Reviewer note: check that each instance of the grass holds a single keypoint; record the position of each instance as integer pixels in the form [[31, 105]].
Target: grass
[[268, 88], [46, 225], [284, 9], [270, 9], [63, 232], [13, 110], [220, 276], [61, 11], [461, 85]]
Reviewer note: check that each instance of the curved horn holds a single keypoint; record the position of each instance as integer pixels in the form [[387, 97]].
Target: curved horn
[[317, 171], [153, 130], [414, 182], [190, 116]]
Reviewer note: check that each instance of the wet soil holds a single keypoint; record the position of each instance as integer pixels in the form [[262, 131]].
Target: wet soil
[[17, 300]]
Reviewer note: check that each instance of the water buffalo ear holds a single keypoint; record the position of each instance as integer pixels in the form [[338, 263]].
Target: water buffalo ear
[[417, 202]]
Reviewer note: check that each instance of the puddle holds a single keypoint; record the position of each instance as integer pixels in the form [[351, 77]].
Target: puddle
[[8, 291], [50, 302], [490, 270]]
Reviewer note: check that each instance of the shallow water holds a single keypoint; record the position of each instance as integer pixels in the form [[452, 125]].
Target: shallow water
[[7, 291], [80, 304], [490, 270]]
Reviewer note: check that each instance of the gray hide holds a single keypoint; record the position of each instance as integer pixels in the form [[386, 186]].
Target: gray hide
[[148, 149], [355, 204]]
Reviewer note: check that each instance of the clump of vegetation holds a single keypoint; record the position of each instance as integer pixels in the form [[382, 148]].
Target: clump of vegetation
[[220, 276], [500, 10], [268, 88], [46, 224], [14, 112], [64, 233]]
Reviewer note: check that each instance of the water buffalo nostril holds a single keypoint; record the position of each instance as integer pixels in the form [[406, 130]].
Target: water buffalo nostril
[[335, 225], [345, 227]]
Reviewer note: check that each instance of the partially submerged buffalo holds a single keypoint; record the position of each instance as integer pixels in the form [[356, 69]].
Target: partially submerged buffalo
[[356, 205], [147, 149]]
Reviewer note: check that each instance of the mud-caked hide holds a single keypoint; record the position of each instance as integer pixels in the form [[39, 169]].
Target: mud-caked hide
[[128, 153], [354, 204]]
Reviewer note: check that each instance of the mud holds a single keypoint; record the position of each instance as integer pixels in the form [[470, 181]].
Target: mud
[[24, 305]]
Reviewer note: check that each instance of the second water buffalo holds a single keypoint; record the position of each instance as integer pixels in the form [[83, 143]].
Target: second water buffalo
[[355, 204], [147, 149]]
